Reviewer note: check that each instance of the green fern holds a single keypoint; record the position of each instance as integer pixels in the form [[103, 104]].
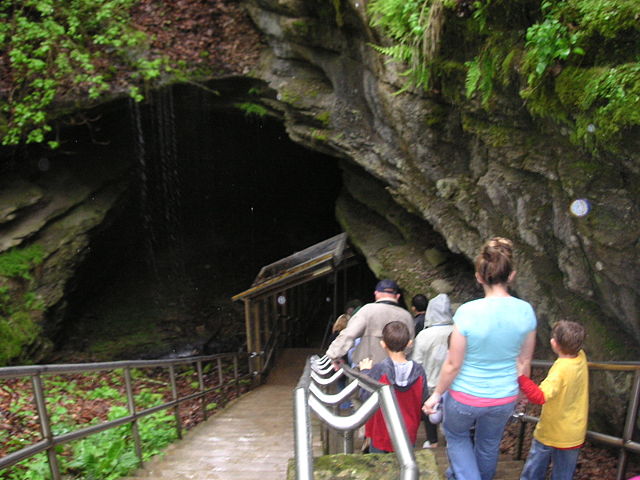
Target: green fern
[[402, 53]]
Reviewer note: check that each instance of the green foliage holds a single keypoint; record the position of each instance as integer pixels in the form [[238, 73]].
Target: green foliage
[[405, 22], [103, 456], [17, 300], [547, 43], [493, 66], [604, 101], [34, 468], [250, 108], [106, 455], [156, 432], [54, 47], [576, 63], [597, 102], [607, 18], [19, 262]]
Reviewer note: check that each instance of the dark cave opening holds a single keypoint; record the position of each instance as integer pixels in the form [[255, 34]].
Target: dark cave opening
[[214, 195]]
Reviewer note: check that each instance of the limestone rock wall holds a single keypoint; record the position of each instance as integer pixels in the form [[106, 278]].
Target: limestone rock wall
[[59, 205], [467, 174]]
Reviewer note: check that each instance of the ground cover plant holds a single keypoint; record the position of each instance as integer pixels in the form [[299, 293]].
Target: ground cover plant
[[575, 62], [19, 305], [56, 54], [78, 400]]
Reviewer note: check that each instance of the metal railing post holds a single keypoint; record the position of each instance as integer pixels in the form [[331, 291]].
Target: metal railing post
[[50, 442], [45, 426], [132, 411], [174, 393], [397, 431], [302, 429], [235, 375], [519, 417], [203, 400], [629, 424], [347, 443]]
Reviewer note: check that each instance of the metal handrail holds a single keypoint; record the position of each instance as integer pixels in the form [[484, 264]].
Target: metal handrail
[[50, 441], [624, 444], [308, 396]]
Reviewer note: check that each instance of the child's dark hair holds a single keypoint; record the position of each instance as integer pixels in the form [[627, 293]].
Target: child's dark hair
[[420, 302], [569, 336], [396, 336], [494, 263]]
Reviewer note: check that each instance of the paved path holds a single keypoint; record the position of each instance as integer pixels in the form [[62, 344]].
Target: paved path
[[251, 439]]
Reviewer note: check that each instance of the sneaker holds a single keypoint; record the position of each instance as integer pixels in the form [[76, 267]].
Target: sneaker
[[428, 444]]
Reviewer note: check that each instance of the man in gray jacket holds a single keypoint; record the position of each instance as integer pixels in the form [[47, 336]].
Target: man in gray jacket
[[367, 324]]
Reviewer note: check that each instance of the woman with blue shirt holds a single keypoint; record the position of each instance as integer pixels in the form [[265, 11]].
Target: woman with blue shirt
[[493, 337]]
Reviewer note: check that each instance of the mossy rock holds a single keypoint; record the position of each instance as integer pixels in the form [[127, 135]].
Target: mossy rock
[[435, 257], [368, 467]]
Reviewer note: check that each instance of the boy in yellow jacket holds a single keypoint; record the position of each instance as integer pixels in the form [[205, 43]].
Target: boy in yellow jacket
[[564, 395]]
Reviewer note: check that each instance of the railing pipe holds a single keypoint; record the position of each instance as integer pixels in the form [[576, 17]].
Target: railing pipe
[[398, 434], [310, 396], [50, 441], [302, 429], [353, 421], [201, 387], [334, 398], [629, 424], [174, 394], [132, 411], [329, 380], [45, 426]]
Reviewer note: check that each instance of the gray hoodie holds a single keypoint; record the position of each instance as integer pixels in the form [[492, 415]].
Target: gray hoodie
[[430, 347]]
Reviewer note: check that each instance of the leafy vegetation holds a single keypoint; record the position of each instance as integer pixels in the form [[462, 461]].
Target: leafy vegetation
[[595, 41], [18, 301], [78, 400], [56, 48], [250, 108]]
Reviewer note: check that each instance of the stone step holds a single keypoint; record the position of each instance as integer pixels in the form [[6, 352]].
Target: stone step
[[508, 469], [368, 467]]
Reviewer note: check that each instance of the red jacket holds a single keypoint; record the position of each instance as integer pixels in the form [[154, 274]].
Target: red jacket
[[410, 399]]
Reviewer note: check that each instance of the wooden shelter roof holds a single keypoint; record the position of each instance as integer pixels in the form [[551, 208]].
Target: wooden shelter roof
[[309, 264]]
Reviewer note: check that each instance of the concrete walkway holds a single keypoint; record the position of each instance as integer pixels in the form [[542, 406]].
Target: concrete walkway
[[251, 439]]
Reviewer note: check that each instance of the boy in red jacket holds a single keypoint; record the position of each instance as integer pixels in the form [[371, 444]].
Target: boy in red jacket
[[564, 395], [409, 384]]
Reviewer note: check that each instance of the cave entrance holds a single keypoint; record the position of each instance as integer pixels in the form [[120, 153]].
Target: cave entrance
[[215, 194]]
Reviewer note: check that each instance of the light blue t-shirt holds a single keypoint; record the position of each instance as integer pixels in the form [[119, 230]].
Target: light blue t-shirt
[[495, 329]]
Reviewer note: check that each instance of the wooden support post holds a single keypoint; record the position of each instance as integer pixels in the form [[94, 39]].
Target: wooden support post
[[248, 325], [256, 312]]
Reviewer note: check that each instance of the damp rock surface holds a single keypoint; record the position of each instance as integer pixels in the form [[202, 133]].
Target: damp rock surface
[[368, 467]]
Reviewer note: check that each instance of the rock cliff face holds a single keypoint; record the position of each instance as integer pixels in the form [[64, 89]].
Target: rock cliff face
[[60, 206], [456, 169]]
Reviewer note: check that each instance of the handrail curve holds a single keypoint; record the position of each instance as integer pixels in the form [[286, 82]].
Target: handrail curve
[[308, 396]]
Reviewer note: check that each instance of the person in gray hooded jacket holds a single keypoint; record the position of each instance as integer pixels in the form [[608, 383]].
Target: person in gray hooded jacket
[[430, 350]]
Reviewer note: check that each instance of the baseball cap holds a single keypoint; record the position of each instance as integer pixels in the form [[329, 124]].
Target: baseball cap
[[387, 286]]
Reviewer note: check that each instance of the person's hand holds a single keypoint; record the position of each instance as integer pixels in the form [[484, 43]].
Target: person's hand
[[365, 364], [337, 364], [429, 406]]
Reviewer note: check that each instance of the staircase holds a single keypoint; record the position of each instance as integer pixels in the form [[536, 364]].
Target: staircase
[[508, 469]]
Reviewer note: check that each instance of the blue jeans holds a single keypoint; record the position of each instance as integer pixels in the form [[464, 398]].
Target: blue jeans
[[473, 459], [564, 462]]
